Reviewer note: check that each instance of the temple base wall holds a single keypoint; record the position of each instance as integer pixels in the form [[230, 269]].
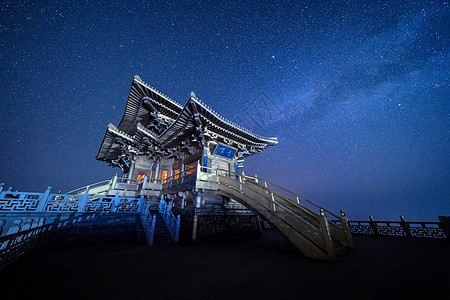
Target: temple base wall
[[214, 225]]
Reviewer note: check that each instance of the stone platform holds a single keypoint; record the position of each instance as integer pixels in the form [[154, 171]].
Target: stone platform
[[257, 267]]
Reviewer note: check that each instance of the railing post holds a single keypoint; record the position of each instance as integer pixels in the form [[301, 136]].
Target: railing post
[[374, 226], [256, 178], [325, 228], [83, 200], [177, 229], [141, 207], [347, 232], [114, 182], [115, 205], [405, 227], [273, 200], [162, 205], [43, 200], [152, 231]]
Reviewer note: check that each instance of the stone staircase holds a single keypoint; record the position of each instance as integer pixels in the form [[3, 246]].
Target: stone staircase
[[162, 234], [310, 232]]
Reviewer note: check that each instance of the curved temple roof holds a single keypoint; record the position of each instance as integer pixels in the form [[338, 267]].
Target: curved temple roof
[[154, 123]]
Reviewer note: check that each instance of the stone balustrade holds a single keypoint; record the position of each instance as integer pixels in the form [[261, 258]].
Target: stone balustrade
[[172, 222], [20, 207], [402, 228]]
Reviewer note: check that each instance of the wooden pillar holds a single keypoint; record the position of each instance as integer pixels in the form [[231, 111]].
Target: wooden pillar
[[144, 183], [130, 172], [157, 170]]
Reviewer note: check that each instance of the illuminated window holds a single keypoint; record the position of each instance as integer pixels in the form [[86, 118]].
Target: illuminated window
[[176, 174], [164, 176], [191, 168], [140, 177]]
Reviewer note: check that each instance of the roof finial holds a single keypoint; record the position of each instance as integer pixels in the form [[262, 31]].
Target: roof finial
[[193, 95]]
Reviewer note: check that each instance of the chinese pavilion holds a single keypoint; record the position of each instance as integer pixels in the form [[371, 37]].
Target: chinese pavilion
[[189, 156], [160, 141]]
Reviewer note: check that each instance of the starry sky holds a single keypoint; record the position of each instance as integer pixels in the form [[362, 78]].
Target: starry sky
[[357, 92]]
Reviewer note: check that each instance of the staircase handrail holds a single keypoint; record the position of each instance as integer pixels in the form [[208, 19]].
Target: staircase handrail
[[300, 197], [303, 208], [89, 186], [110, 182], [257, 179], [128, 180], [172, 222], [148, 222], [314, 227], [286, 208]]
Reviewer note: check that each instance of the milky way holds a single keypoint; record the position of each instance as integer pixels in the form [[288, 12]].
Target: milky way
[[357, 92]]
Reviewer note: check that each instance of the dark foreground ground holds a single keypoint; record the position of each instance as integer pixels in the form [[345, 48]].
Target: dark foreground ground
[[258, 267]]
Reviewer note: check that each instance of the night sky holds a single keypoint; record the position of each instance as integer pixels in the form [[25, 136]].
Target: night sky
[[357, 92]]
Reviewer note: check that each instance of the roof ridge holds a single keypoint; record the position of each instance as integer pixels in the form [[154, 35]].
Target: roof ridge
[[139, 80], [229, 122]]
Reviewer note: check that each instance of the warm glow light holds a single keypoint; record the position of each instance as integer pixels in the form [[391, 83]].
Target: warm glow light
[[191, 168], [140, 177]]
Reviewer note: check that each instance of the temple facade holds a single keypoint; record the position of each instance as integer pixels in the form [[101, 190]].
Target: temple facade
[[167, 149]]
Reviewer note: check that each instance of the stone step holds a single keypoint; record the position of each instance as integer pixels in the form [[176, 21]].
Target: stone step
[[162, 234]]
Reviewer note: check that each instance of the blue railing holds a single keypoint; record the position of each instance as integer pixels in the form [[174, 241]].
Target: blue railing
[[172, 222], [23, 214], [15, 201], [148, 222]]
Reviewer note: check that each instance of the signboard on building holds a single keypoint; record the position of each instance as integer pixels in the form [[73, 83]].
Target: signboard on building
[[225, 151]]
